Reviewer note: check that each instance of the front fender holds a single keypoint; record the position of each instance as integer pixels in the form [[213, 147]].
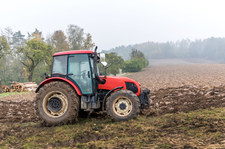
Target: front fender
[[58, 79]]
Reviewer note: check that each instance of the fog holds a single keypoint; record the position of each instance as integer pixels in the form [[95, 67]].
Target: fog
[[114, 23]]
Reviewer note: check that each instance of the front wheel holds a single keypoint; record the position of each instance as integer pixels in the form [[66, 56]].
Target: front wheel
[[123, 105]]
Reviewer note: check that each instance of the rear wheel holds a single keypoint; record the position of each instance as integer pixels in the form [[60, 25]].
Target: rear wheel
[[123, 105], [56, 103]]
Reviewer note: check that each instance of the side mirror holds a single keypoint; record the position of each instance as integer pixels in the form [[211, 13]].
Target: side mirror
[[102, 59], [104, 64]]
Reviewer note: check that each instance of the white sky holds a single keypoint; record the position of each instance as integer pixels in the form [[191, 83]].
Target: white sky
[[119, 22]]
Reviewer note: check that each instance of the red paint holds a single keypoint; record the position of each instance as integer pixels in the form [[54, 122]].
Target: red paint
[[61, 79], [73, 52], [114, 81], [111, 83]]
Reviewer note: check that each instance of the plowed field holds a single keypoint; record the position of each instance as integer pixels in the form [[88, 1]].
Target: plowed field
[[197, 75], [187, 111]]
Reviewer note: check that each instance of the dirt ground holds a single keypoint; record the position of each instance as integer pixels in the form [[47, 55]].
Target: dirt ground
[[197, 75], [174, 88], [178, 86], [17, 108]]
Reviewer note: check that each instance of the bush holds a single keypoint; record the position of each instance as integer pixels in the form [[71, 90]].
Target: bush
[[135, 64]]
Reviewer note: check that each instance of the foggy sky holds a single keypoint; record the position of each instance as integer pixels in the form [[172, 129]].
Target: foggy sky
[[119, 22]]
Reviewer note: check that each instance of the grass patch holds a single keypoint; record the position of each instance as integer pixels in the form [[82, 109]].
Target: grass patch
[[200, 128], [11, 93]]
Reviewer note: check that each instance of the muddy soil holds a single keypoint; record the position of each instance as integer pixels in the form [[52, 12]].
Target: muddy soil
[[185, 99], [19, 108]]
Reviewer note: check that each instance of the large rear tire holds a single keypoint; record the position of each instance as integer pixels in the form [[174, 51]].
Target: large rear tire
[[123, 105], [56, 103]]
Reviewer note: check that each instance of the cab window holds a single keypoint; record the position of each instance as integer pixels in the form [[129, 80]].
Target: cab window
[[60, 65]]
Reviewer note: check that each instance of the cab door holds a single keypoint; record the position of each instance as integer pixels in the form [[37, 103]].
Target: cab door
[[79, 70]]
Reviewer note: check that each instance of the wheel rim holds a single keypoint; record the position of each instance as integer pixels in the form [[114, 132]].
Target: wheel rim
[[122, 106], [55, 104]]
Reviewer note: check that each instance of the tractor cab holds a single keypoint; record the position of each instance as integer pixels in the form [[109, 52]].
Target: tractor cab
[[78, 68], [75, 85]]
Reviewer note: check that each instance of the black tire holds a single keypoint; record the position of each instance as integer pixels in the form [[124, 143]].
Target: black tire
[[117, 100], [68, 104]]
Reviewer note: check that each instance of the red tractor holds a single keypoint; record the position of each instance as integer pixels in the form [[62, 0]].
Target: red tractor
[[75, 85]]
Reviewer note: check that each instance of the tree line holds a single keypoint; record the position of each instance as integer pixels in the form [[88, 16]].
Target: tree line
[[27, 57], [209, 49]]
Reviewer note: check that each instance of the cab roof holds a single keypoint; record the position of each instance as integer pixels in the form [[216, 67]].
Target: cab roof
[[73, 52]]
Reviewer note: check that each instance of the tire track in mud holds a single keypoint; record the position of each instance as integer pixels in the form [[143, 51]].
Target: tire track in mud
[[19, 108]]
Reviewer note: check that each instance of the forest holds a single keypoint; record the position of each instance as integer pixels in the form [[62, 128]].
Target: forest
[[209, 49]]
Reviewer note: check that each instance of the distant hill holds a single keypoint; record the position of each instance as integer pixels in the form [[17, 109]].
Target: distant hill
[[210, 49]]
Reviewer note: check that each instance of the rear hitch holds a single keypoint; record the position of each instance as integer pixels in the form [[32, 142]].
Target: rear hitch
[[144, 99]]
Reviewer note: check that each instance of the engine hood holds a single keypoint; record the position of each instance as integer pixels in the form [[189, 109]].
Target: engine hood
[[116, 81]]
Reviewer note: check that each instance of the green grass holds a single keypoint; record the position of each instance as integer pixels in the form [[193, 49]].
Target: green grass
[[201, 128], [11, 93]]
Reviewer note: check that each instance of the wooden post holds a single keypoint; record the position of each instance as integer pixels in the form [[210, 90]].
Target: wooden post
[[0, 86]]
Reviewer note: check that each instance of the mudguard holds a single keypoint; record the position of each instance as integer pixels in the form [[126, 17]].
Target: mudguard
[[58, 79]]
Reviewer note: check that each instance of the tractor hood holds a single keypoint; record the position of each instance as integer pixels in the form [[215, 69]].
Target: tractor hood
[[115, 81]]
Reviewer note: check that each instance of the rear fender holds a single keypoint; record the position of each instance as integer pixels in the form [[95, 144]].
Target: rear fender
[[58, 79]]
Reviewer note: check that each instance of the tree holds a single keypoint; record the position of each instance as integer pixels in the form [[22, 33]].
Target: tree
[[58, 41], [88, 44], [48, 56], [36, 34], [136, 54], [10, 67], [4, 47], [8, 34], [115, 61], [132, 65], [136, 63], [77, 39], [18, 40], [5, 50], [34, 53]]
